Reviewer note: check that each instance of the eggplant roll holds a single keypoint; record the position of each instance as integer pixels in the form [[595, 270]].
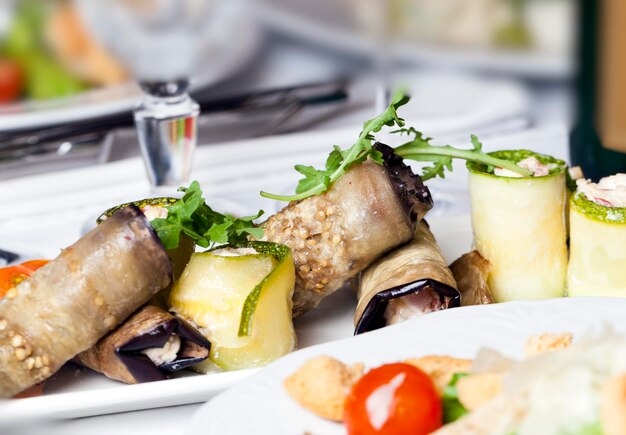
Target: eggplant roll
[[408, 282], [597, 265], [335, 235], [148, 346], [471, 272], [66, 306], [519, 226]]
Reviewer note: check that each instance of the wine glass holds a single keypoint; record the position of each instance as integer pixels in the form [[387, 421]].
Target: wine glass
[[160, 42]]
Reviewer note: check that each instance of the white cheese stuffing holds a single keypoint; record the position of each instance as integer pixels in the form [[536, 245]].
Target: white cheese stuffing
[[234, 252], [154, 211], [608, 192], [532, 164], [165, 354], [411, 306]]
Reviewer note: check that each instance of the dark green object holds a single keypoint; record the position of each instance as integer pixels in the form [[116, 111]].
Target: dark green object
[[586, 148]]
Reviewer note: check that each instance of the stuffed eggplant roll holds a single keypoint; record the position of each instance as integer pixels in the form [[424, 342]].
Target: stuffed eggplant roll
[[471, 272], [597, 265], [335, 235], [148, 346], [519, 225], [66, 306], [408, 282]]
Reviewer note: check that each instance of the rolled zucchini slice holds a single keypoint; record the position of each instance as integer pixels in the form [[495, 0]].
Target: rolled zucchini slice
[[519, 227], [597, 265], [241, 299]]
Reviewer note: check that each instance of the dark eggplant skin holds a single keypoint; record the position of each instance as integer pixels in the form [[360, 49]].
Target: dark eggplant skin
[[333, 236], [409, 187], [373, 316], [119, 355]]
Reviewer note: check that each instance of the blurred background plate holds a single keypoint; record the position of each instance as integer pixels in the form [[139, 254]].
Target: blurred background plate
[[529, 38], [220, 61]]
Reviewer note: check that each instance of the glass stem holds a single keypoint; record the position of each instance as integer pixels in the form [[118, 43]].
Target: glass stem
[[166, 122]]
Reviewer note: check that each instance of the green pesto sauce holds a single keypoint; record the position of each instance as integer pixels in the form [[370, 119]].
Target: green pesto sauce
[[517, 156], [592, 210]]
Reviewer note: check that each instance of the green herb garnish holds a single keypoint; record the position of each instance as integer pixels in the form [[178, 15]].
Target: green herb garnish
[[421, 150], [452, 408], [191, 215], [317, 181]]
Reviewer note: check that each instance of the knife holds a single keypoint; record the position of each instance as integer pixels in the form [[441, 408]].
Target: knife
[[32, 140]]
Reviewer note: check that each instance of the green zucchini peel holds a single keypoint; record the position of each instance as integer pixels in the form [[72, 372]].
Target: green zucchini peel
[[517, 156], [281, 253]]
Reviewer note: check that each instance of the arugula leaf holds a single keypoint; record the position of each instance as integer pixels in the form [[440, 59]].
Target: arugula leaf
[[452, 408], [317, 181], [192, 216], [421, 150]]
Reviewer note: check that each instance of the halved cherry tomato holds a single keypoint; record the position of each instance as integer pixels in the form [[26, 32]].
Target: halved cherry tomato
[[393, 399], [13, 275], [10, 80]]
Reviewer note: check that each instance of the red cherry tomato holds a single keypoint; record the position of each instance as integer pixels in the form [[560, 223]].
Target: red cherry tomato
[[10, 80], [11, 276], [393, 399]]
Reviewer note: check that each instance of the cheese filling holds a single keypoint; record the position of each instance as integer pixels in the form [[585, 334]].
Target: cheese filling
[[165, 354], [608, 192], [410, 306], [532, 164], [234, 252]]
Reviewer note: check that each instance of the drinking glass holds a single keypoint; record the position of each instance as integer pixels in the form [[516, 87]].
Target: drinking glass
[[160, 42]]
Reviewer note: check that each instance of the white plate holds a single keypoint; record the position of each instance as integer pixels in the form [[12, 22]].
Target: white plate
[[221, 59], [460, 332], [75, 392]]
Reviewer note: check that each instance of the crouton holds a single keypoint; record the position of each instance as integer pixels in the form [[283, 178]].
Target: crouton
[[476, 390], [322, 384], [538, 344], [613, 406], [441, 368]]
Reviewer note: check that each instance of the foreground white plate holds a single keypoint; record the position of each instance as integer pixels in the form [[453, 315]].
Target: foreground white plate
[[75, 392], [459, 332]]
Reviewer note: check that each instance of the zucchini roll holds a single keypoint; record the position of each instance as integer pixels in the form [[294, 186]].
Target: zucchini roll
[[148, 346], [408, 282], [519, 225], [240, 299], [597, 265], [66, 306], [335, 235]]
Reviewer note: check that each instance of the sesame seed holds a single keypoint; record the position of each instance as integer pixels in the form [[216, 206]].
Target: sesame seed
[[20, 354], [3, 325], [11, 294], [17, 340], [99, 301], [45, 371], [30, 363]]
